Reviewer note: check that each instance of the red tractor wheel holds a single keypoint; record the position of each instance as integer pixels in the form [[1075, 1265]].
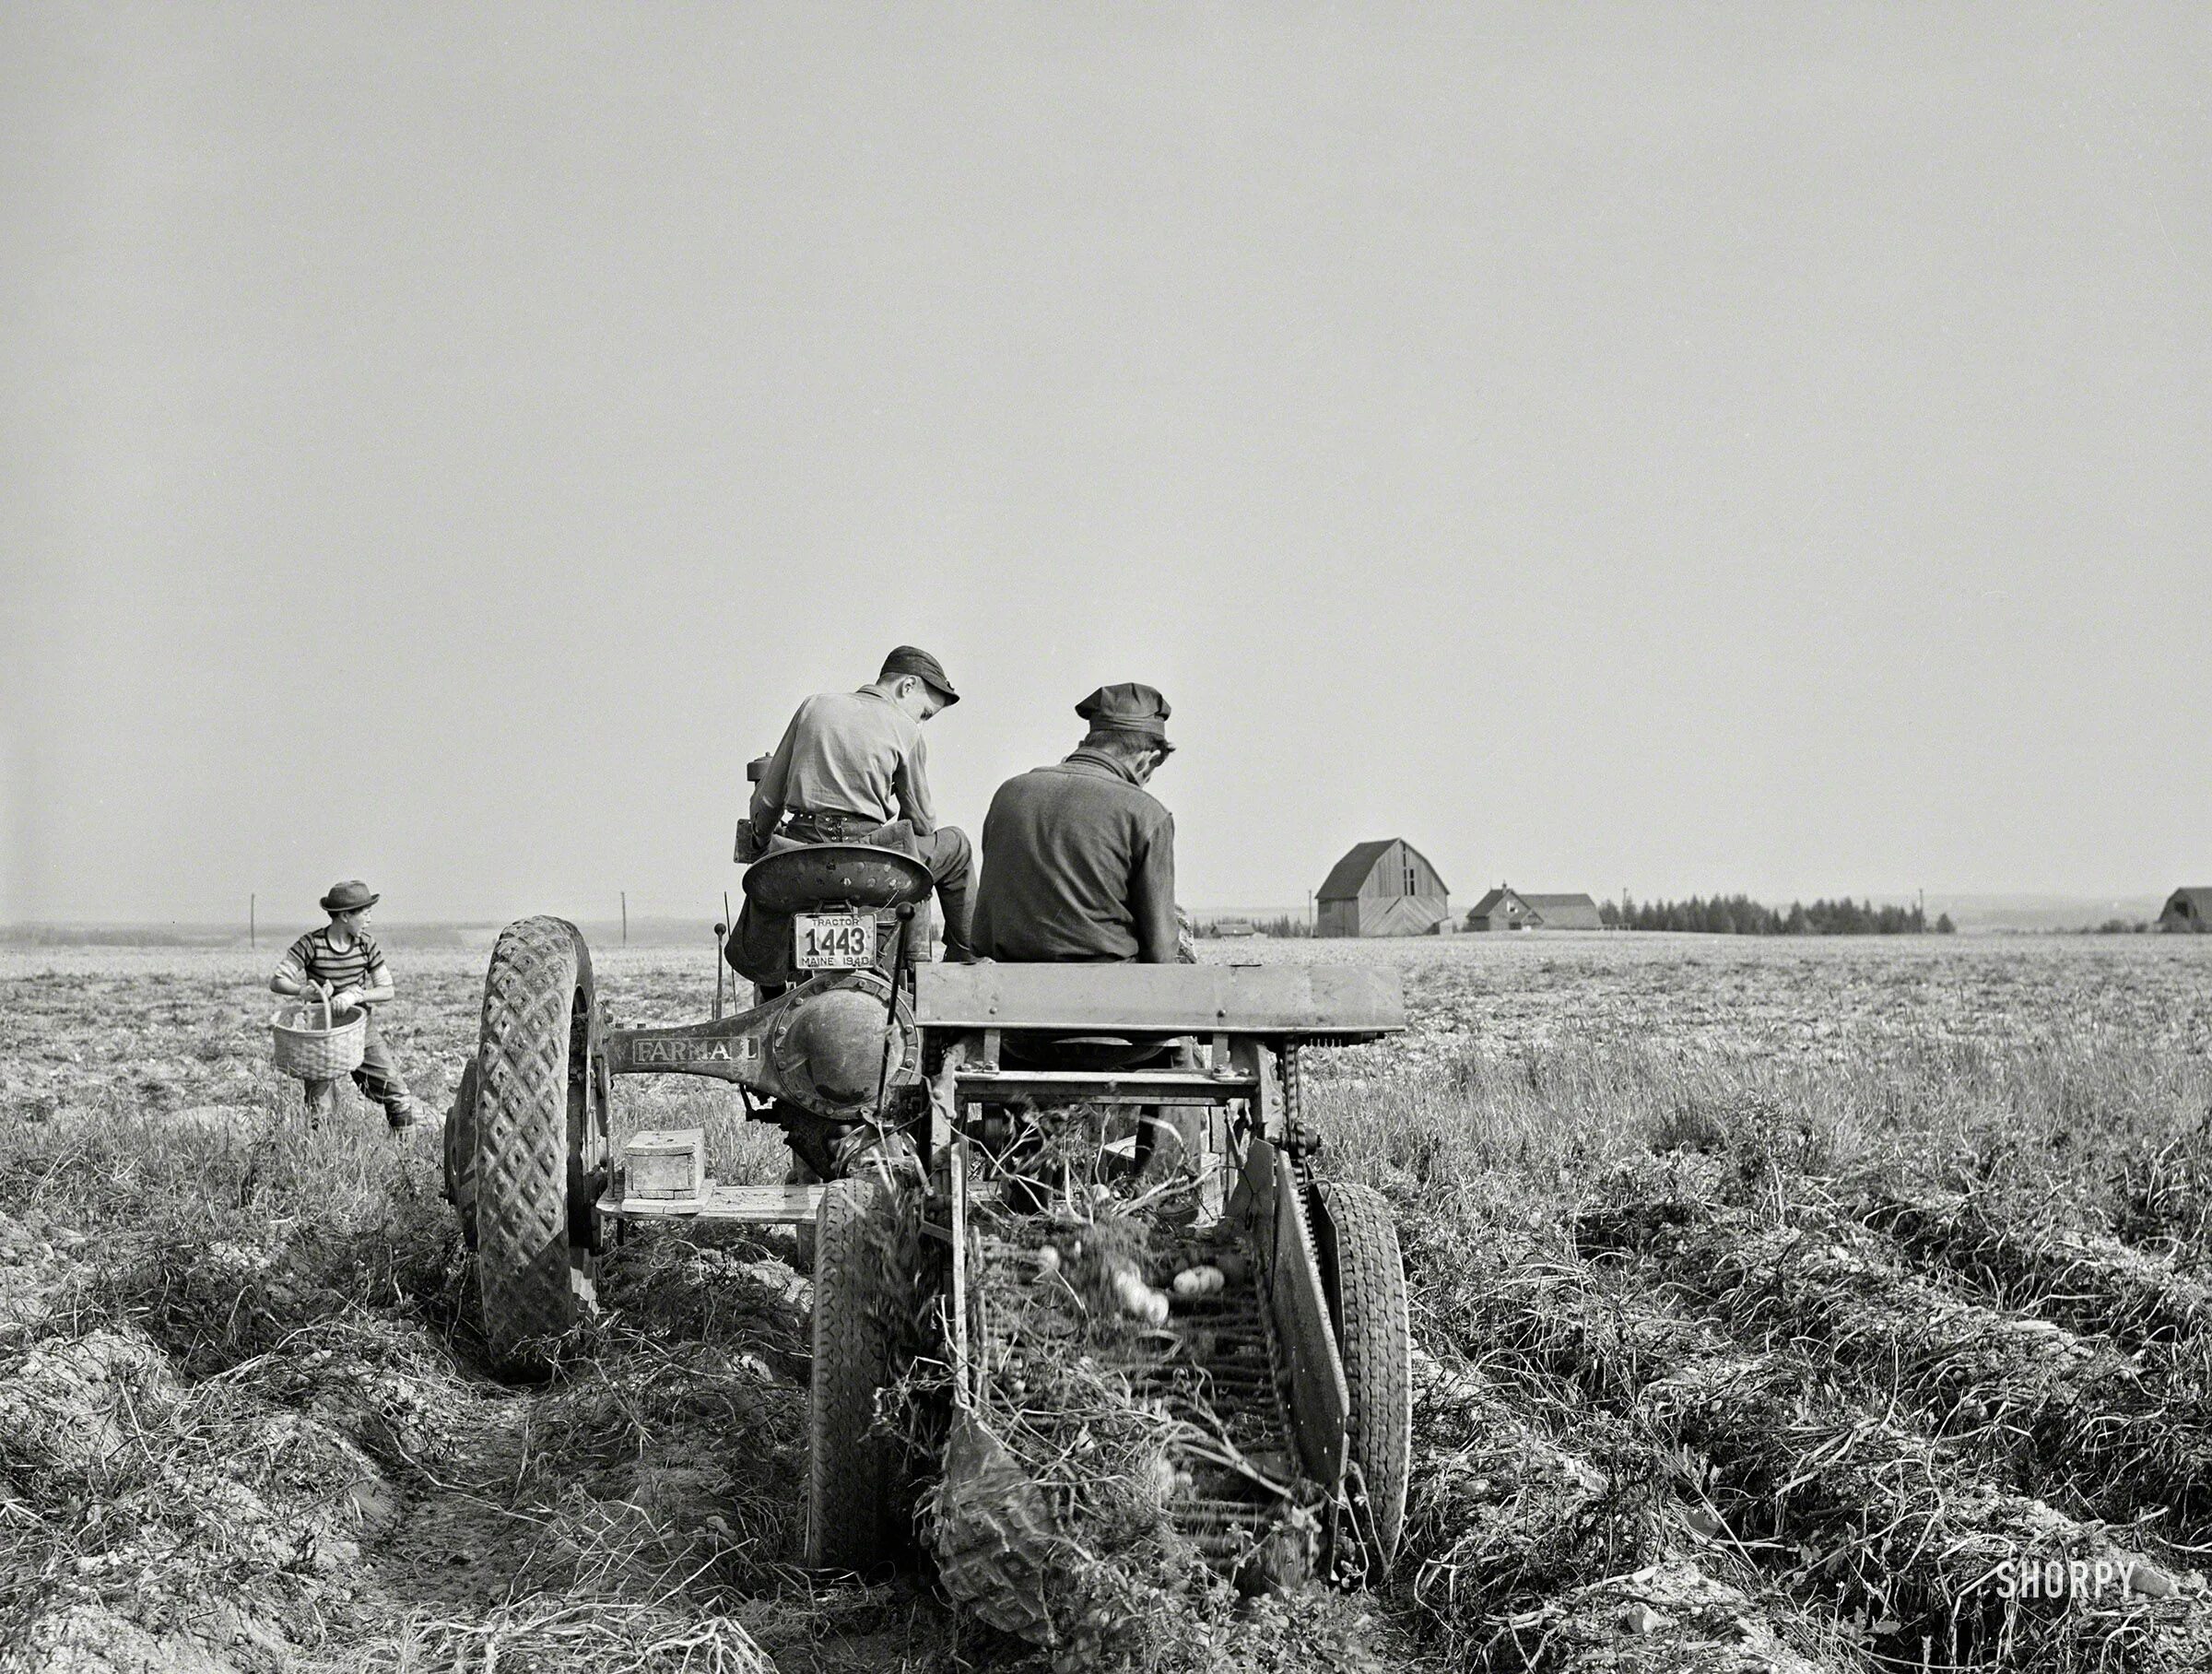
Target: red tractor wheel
[[541, 1143], [1365, 1281]]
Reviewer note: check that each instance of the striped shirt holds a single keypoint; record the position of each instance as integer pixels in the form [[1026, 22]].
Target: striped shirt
[[360, 964]]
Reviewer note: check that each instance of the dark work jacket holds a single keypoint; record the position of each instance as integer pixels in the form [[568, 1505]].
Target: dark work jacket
[[1078, 863]]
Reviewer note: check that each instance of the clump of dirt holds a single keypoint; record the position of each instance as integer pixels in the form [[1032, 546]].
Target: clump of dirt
[[1498, 1511], [716, 1286], [684, 1457], [1665, 1618], [93, 1639], [195, 1514], [64, 1400], [34, 1251], [2166, 1199]]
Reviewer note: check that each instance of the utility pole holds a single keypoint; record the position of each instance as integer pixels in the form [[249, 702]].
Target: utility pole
[[626, 918], [252, 913]]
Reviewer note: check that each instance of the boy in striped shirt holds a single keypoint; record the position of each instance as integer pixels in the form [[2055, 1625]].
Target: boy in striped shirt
[[343, 960]]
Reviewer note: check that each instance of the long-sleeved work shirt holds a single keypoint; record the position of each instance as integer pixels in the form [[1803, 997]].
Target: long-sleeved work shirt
[[848, 752], [1078, 864]]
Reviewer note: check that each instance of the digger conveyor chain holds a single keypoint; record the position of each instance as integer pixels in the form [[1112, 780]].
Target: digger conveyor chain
[[1299, 1140], [1223, 1373]]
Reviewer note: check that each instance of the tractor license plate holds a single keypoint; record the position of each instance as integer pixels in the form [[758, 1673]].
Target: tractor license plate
[[833, 941]]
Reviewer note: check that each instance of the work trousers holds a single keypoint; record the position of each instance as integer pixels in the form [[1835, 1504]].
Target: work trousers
[[951, 861], [379, 1080]]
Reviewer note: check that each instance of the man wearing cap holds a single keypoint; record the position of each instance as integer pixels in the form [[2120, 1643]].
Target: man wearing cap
[[851, 768], [343, 961], [1079, 857]]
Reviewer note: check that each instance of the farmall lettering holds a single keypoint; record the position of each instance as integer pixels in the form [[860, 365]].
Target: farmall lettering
[[680, 1050]]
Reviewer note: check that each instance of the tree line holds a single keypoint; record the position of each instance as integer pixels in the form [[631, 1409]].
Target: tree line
[[1740, 915], [1282, 925]]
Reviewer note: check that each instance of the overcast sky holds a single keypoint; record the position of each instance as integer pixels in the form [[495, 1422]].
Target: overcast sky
[[1735, 447]]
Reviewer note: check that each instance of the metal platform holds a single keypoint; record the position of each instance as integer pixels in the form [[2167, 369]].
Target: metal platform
[[747, 1205], [1316, 1002], [1104, 1087]]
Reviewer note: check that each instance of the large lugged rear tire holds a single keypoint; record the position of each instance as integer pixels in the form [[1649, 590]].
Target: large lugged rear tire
[[460, 1142], [1365, 1281], [540, 1143], [852, 1503]]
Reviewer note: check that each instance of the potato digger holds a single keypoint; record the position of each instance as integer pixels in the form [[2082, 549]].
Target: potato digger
[[938, 1096]]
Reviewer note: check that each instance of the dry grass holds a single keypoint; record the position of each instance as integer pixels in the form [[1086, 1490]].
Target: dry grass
[[1772, 1299]]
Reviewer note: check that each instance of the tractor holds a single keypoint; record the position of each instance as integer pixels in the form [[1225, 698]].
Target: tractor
[[872, 1057]]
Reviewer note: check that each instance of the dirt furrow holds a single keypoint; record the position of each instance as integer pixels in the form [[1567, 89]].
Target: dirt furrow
[[2166, 1199], [1909, 1544], [2128, 1434], [2029, 1259], [1522, 1554]]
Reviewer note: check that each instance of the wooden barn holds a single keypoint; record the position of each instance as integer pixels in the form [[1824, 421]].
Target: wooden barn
[[2188, 910], [1382, 888], [1505, 908]]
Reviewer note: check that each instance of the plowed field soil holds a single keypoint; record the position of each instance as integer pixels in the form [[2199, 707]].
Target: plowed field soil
[[1809, 1306]]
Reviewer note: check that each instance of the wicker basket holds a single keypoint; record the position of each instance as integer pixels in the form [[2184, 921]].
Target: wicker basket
[[324, 1054]]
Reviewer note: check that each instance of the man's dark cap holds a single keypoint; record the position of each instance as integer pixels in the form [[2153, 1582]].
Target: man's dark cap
[[1128, 708], [349, 897], [913, 660]]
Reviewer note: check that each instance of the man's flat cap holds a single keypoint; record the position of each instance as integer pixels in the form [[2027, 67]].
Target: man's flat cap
[[913, 660], [1129, 708], [349, 897]]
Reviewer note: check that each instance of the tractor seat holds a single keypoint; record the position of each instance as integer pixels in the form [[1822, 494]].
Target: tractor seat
[[851, 874]]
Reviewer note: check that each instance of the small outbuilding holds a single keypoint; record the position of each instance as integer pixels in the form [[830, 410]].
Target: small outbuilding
[[1505, 908], [1382, 888], [2188, 908]]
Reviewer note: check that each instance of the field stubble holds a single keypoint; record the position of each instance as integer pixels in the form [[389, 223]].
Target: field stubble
[[1779, 1307]]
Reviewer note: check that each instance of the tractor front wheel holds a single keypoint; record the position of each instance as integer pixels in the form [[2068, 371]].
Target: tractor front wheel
[[1365, 1281], [852, 1503], [541, 1143]]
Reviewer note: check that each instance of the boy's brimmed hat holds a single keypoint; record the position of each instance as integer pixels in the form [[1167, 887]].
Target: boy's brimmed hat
[[349, 897], [1128, 708], [913, 660]]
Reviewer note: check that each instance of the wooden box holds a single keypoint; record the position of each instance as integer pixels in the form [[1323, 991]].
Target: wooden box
[[665, 1163]]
